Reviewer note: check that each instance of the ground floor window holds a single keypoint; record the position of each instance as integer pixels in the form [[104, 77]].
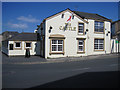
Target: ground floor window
[[57, 45], [99, 44], [81, 46], [28, 45], [10, 46], [17, 44]]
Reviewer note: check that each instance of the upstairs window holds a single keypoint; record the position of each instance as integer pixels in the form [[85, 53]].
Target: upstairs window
[[81, 28], [99, 26], [62, 16]]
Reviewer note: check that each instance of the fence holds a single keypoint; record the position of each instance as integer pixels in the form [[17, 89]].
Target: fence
[[115, 46]]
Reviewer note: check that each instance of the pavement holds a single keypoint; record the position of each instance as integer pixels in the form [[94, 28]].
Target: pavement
[[39, 60], [37, 72]]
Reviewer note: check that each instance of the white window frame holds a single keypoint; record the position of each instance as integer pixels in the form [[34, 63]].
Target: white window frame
[[27, 42], [56, 45], [99, 44], [82, 27], [81, 45], [17, 42], [99, 25]]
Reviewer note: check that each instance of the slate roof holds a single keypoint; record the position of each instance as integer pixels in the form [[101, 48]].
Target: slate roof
[[84, 15], [10, 32], [116, 21], [24, 37], [91, 16]]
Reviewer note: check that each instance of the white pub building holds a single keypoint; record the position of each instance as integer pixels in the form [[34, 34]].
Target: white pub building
[[74, 34]]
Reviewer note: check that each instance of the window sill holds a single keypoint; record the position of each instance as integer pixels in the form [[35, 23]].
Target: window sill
[[81, 34], [56, 53], [17, 49], [80, 52], [99, 32], [98, 50], [29, 48]]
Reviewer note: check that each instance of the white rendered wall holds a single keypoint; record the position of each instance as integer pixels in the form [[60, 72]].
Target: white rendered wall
[[70, 43], [92, 35], [22, 52], [107, 38]]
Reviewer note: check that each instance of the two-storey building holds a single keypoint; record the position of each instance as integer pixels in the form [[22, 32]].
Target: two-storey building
[[73, 34]]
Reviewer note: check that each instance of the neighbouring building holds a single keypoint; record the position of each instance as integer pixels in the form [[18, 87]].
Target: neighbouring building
[[0, 41], [17, 44], [73, 34], [115, 42]]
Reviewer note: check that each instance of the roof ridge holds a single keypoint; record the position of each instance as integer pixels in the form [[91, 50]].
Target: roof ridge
[[90, 14], [27, 33], [102, 16], [85, 12], [12, 37]]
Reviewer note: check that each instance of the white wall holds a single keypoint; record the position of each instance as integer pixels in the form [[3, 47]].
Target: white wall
[[107, 38], [71, 46], [35, 50], [70, 42]]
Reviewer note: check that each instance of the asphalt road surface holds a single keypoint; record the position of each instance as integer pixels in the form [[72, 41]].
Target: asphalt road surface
[[97, 72]]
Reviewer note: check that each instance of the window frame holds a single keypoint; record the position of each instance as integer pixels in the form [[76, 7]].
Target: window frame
[[30, 45], [27, 47], [99, 44], [15, 45], [57, 44], [83, 28], [81, 39], [98, 32], [56, 52]]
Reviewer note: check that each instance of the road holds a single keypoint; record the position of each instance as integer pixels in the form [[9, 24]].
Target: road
[[33, 75]]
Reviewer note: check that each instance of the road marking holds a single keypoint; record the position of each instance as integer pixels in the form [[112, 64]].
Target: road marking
[[80, 69], [113, 65]]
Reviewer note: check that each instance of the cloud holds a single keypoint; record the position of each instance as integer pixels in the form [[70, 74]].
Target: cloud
[[17, 25], [30, 19]]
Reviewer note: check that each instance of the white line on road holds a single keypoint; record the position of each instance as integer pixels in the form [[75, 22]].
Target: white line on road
[[80, 69], [113, 65]]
